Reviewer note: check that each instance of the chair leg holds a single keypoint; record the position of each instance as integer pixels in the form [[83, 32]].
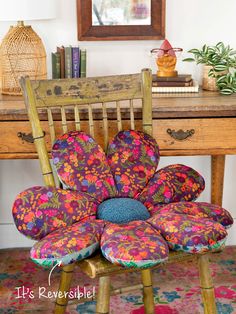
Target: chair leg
[[148, 298], [65, 282], [207, 288], [103, 299]]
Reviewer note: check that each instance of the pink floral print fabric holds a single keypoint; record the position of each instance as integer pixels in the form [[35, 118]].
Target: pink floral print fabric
[[68, 244], [40, 210], [82, 165], [174, 183], [66, 221], [198, 210], [136, 244], [133, 158], [188, 233]]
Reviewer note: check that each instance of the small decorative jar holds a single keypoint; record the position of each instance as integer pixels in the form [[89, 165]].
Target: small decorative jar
[[166, 58]]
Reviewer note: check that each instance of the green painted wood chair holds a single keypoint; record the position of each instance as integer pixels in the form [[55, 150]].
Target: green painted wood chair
[[100, 106]]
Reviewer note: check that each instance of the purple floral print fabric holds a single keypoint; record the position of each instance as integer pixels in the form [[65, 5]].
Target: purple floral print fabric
[[188, 233], [66, 220], [133, 157], [174, 183], [136, 244], [199, 210], [68, 244], [82, 165], [40, 210]]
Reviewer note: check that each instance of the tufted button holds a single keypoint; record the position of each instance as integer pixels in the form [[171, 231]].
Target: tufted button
[[122, 210]]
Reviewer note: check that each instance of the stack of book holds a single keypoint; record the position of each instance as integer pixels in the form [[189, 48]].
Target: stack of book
[[68, 62], [183, 83]]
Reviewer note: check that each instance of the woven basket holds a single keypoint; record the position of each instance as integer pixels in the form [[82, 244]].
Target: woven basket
[[21, 53], [208, 83]]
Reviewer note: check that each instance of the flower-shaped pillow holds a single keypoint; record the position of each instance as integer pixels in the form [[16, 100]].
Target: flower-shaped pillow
[[119, 202]]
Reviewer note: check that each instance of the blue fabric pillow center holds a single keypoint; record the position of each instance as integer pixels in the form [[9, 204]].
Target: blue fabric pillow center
[[122, 210]]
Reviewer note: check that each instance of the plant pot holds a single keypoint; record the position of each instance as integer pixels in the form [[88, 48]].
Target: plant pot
[[208, 83]]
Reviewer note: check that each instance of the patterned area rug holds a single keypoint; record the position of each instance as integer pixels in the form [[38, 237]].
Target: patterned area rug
[[25, 287]]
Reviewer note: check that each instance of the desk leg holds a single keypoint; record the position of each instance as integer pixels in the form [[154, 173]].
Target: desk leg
[[217, 178]]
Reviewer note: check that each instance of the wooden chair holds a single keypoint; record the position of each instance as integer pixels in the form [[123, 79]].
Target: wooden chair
[[100, 106]]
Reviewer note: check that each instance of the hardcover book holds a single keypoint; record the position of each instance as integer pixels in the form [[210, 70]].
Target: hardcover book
[[83, 63], [75, 62], [68, 62], [56, 65], [61, 51], [178, 78], [173, 84], [177, 89]]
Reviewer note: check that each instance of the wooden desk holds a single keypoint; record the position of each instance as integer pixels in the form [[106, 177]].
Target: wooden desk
[[184, 124]]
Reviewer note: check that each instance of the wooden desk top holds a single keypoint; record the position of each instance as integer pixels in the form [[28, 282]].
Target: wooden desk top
[[202, 104]]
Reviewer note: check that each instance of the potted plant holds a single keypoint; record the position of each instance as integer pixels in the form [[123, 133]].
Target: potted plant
[[219, 67]]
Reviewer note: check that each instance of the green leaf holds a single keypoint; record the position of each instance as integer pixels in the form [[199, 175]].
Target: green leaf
[[220, 67], [211, 50], [211, 73], [229, 79], [221, 78], [194, 51], [188, 59], [205, 48], [219, 45], [222, 85], [226, 91]]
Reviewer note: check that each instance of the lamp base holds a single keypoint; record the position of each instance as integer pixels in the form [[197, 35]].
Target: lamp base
[[21, 53], [167, 73]]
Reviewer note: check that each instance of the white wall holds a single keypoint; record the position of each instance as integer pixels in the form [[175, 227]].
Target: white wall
[[189, 23]]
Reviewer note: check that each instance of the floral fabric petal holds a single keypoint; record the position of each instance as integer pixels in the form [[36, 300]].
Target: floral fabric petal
[[133, 157], [68, 244], [174, 183], [135, 244], [189, 234], [198, 210], [81, 165], [40, 210]]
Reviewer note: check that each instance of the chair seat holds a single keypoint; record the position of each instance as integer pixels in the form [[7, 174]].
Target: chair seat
[[98, 266]]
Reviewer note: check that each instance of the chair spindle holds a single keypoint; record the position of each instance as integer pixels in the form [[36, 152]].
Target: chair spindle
[[51, 125], [119, 121], [77, 118], [63, 120], [91, 123], [132, 125], [105, 124]]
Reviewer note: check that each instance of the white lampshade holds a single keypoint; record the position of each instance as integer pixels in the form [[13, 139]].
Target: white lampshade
[[27, 10]]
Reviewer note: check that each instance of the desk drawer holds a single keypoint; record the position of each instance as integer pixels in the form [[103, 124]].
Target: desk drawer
[[205, 136], [16, 136], [217, 135], [11, 144]]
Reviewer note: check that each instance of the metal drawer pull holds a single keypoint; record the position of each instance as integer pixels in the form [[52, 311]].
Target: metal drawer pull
[[27, 137], [180, 135]]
